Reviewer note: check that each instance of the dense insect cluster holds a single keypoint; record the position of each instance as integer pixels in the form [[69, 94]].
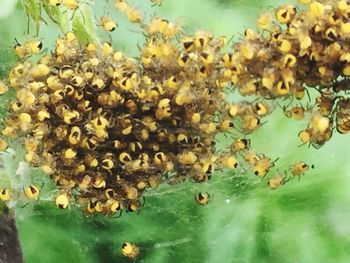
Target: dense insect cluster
[[105, 126], [301, 48], [111, 126]]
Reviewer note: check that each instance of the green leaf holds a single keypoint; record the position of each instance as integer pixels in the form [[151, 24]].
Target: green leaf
[[306, 221], [33, 10], [83, 25]]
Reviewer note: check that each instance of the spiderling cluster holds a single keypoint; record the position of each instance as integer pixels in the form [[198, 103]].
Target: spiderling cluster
[[301, 48], [111, 126]]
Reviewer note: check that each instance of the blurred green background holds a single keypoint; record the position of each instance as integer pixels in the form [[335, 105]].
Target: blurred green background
[[306, 221]]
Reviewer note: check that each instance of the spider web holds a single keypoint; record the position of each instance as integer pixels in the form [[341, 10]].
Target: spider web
[[245, 221]]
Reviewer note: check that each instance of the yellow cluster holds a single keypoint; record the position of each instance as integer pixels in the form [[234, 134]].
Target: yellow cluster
[[112, 126], [301, 48]]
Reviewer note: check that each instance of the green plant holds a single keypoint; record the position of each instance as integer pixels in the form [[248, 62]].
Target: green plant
[[242, 211]]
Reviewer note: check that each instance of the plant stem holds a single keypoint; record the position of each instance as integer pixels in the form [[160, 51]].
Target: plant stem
[[10, 248]]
